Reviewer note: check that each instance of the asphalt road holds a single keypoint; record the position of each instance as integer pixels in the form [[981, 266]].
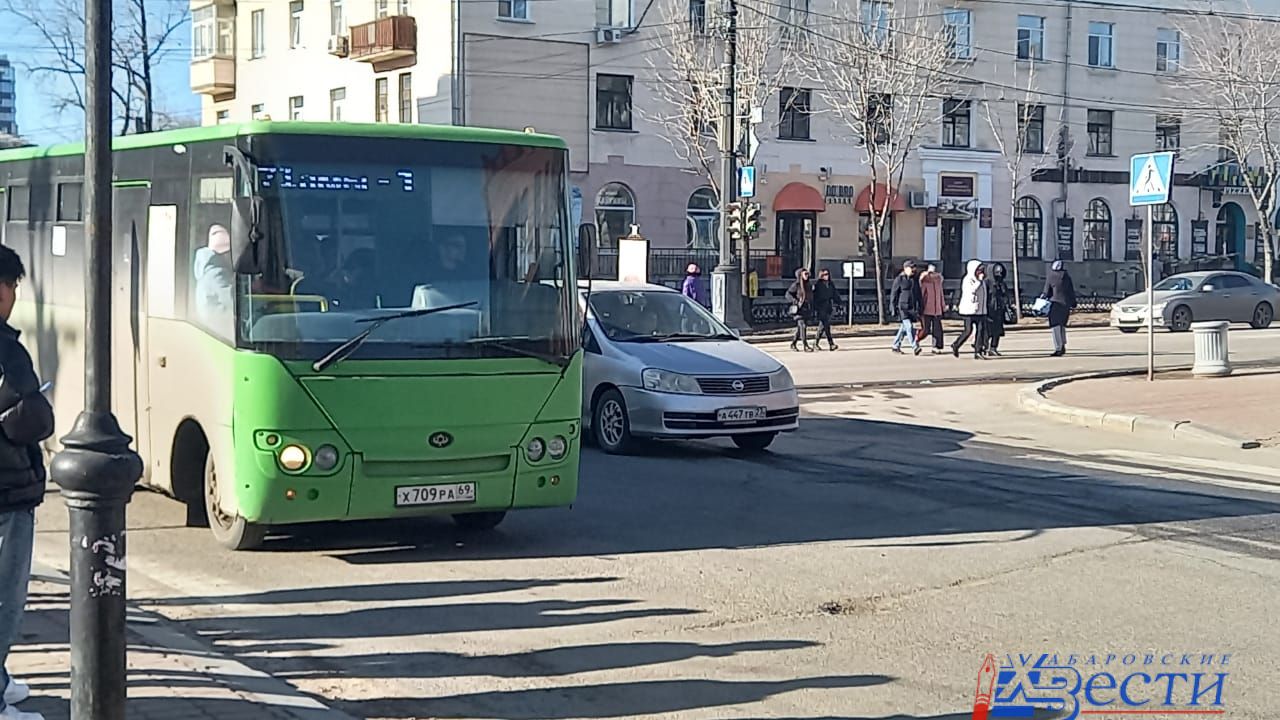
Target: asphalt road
[[1026, 356], [862, 570]]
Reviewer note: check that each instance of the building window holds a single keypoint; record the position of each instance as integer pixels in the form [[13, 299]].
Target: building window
[[381, 113], [258, 23], [1228, 139], [1031, 128], [1164, 228], [704, 219], [793, 113], [337, 98], [613, 13], [1097, 230], [211, 35], [69, 208], [381, 9], [295, 24], [1100, 132], [866, 230], [295, 107], [879, 115], [875, 21], [1030, 37], [403, 8], [513, 9], [615, 213], [257, 111], [794, 18], [959, 30], [1101, 45], [222, 117], [613, 102], [955, 123], [698, 17], [1168, 132], [1028, 227], [406, 97], [1168, 50], [337, 18]]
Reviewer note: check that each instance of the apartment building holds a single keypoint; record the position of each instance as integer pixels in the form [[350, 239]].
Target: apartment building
[[1104, 75], [8, 98]]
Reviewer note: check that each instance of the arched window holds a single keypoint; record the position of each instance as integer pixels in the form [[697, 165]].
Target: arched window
[[704, 219], [1028, 227], [1164, 228], [615, 213], [1097, 230]]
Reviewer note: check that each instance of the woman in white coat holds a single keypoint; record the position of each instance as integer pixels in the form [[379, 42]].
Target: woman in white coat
[[973, 308]]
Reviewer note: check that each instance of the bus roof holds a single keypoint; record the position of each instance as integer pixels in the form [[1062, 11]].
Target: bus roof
[[265, 127]]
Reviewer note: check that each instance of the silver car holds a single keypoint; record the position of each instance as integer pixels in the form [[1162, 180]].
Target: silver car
[[1195, 296], [658, 365]]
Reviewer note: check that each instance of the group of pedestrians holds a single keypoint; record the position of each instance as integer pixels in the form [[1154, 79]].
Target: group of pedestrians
[[813, 301]]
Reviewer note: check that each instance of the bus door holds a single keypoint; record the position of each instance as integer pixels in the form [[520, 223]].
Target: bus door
[[133, 216]]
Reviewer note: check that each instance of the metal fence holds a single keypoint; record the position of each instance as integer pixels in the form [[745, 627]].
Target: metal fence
[[772, 312]]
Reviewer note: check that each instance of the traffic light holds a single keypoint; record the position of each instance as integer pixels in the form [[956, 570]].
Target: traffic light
[[752, 222], [734, 212]]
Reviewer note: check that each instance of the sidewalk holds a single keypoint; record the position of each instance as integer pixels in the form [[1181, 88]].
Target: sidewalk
[[951, 327], [1241, 405], [170, 676]]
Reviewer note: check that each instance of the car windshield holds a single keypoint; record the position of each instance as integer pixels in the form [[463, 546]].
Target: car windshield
[[366, 228], [1173, 284], [653, 316]]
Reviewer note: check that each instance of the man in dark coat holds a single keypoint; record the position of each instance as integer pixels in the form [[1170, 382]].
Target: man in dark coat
[[1061, 294], [26, 418], [907, 302], [826, 297]]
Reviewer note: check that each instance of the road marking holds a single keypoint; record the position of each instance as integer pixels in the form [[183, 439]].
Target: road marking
[[1260, 471], [1260, 485]]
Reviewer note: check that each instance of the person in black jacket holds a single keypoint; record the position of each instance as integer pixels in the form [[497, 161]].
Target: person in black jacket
[[26, 418], [907, 303], [1061, 294], [800, 295], [826, 297], [998, 306]]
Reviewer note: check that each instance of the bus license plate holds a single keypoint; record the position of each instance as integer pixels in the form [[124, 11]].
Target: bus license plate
[[747, 414], [411, 495]]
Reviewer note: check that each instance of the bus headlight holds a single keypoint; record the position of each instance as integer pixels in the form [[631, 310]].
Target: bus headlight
[[557, 447], [293, 458], [326, 457], [535, 449]]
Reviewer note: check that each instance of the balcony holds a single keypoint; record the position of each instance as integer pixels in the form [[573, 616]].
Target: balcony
[[214, 76], [387, 42]]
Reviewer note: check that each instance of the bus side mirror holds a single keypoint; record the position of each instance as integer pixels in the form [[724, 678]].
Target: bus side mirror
[[246, 235], [586, 250]]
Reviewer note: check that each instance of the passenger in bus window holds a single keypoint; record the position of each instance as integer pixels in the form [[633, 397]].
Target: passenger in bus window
[[356, 280], [213, 280]]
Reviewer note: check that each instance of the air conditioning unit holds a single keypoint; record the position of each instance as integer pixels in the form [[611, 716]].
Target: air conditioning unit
[[918, 200], [609, 35], [339, 45]]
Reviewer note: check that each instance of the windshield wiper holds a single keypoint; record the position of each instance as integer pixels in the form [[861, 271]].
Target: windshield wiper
[[680, 336], [559, 361], [343, 351]]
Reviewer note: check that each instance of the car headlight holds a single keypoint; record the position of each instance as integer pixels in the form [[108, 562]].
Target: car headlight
[[535, 449], [666, 381], [557, 447], [781, 380], [293, 458]]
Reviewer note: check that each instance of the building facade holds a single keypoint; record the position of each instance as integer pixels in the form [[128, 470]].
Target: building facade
[[587, 70], [8, 98]]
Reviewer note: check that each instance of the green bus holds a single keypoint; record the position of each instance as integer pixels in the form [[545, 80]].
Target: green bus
[[319, 321]]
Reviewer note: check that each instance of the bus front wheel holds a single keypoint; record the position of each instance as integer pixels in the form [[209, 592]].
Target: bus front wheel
[[479, 521], [229, 529]]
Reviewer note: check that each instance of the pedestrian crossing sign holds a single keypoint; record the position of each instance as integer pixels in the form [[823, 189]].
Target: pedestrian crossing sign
[[1150, 177]]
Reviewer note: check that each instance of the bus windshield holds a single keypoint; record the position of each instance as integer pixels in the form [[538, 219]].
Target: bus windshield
[[364, 228]]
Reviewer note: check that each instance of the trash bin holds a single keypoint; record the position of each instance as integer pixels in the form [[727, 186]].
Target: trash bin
[[1212, 356]]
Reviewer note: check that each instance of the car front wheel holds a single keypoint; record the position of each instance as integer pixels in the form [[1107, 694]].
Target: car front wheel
[[755, 442], [1181, 320], [610, 425]]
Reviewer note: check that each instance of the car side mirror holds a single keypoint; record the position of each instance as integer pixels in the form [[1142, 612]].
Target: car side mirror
[[1207, 288], [587, 241]]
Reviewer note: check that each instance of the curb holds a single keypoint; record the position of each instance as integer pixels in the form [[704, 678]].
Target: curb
[[1032, 399], [162, 634], [842, 332]]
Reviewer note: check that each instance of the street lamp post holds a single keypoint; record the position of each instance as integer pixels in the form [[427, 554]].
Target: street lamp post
[[96, 469]]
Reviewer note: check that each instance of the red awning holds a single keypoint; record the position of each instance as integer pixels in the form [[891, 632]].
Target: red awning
[[884, 197], [797, 196]]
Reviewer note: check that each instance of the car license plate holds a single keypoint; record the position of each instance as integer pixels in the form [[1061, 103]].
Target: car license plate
[[410, 495], [746, 414]]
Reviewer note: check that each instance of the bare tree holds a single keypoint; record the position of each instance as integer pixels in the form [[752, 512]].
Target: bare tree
[[1015, 112], [883, 71], [1230, 78], [687, 65], [140, 38]]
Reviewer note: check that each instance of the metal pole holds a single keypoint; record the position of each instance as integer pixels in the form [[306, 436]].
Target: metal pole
[[1151, 298], [850, 299], [726, 281], [96, 469]]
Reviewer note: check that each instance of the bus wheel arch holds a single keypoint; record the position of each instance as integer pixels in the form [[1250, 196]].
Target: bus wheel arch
[[186, 470]]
